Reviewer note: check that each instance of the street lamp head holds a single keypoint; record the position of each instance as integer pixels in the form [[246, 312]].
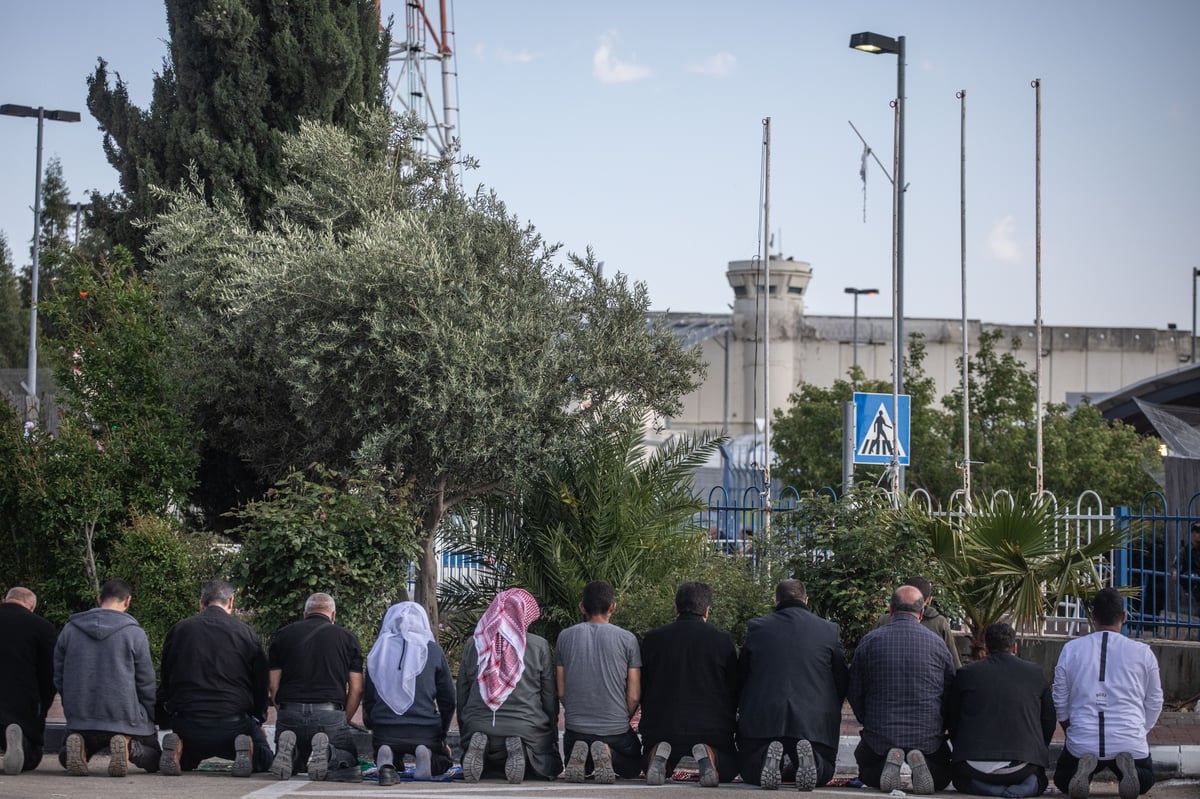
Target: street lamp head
[[63, 116], [849, 290], [12, 110], [874, 43]]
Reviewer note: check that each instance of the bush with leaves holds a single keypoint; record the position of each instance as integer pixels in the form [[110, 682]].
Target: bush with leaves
[[851, 555], [349, 536]]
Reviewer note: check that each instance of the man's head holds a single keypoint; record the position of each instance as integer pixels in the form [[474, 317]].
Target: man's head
[[1195, 534], [907, 599], [693, 598], [217, 593], [115, 594], [597, 599], [1108, 608], [790, 591], [1000, 637], [21, 596], [921, 584], [322, 604]]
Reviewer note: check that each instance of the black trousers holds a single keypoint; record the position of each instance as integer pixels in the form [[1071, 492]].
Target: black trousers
[[753, 751], [726, 758], [625, 747], [870, 765], [201, 739], [1064, 770]]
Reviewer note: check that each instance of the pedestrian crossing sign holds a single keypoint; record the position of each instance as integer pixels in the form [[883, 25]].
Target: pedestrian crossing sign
[[876, 431]]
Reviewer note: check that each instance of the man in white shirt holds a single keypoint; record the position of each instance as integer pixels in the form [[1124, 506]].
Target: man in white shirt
[[1108, 694]]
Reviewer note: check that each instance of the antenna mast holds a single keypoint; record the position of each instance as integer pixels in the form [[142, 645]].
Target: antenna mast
[[409, 89]]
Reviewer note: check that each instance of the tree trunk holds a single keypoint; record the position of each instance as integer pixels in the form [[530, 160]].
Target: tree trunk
[[427, 568]]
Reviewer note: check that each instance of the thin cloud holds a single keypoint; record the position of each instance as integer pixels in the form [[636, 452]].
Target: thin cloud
[[516, 56], [720, 65], [609, 69], [1002, 241]]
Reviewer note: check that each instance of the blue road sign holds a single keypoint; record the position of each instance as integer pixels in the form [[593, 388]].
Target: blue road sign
[[874, 428]]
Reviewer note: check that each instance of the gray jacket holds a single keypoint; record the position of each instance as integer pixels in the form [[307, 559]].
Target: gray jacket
[[103, 671]]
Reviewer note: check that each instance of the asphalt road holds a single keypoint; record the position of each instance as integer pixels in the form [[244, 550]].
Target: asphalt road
[[49, 780]]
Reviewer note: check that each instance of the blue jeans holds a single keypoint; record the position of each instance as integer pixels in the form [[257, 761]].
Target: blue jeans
[[201, 739], [307, 722]]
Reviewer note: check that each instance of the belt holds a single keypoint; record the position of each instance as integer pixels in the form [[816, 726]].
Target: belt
[[312, 705]]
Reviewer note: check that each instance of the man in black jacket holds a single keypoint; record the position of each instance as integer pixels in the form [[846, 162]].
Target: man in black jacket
[[794, 678], [689, 692], [26, 679], [213, 689], [1001, 717]]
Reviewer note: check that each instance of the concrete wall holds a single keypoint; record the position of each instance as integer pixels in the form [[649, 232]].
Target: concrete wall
[[1178, 663]]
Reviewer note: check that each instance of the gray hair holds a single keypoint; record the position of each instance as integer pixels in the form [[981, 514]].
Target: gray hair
[[215, 591], [319, 603]]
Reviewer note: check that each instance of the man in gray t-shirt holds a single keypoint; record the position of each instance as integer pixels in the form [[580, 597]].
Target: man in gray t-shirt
[[599, 668]]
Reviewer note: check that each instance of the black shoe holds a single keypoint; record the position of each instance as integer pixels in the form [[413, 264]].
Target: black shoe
[[922, 779], [243, 766], [388, 775], [281, 766], [514, 760], [472, 759], [806, 766], [889, 778], [318, 761], [656, 772], [708, 769], [168, 761], [768, 780]]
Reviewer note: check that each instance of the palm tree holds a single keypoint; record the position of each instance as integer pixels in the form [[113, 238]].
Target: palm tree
[[1005, 562], [607, 511]]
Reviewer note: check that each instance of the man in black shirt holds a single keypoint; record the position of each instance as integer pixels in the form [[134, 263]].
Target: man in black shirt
[[316, 676], [213, 689], [689, 692], [26, 679]]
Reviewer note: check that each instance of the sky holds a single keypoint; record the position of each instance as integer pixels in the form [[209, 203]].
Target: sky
[[635, 127]]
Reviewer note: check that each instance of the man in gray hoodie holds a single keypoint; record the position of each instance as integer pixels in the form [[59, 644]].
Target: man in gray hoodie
[[103, 672]]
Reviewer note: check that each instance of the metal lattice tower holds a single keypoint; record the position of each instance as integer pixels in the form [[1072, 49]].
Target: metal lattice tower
[[434, 104]]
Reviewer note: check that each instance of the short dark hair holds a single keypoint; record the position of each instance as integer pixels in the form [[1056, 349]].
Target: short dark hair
[[1107, 606], [793, 590], [117, 589], [899, 605], [694, 597], [921, 584], [1000, 637], [597, 598], [218, 591]]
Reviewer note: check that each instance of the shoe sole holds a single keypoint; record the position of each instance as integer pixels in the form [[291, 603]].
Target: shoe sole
[[922, 778], [1080, 784], [656, 772], [168, 761], [577, 762], [1129, 785], [281, 766], [514, 762], [806, 767], [318, 761], [768, 780], [14, 750], [602, 768], [118, 756], [889, 778], [243, 766], [708, 769], [76, 761], [472, 761]]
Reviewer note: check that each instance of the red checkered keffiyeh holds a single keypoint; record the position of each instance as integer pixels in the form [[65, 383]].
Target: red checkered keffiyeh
[[500, 644]]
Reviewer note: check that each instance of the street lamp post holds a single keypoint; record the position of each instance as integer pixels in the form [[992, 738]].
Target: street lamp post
[[875, 43], [1195, 274], [856, 293], [41, 114]]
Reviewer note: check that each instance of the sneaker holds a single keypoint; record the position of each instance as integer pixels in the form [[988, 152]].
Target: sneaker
[[806, 766], [14, 750], [168, 761], [577, 762], [602, 768], [768, 780], [889, 779], [388, 775], [1081, 782], [242, 765], [708, 769], [1128, 786], [922, 780], [318, 761], [656, 772], [76, 756], [514, 760], [281, 766], [118, 756], [423, 759], [472, 759]]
